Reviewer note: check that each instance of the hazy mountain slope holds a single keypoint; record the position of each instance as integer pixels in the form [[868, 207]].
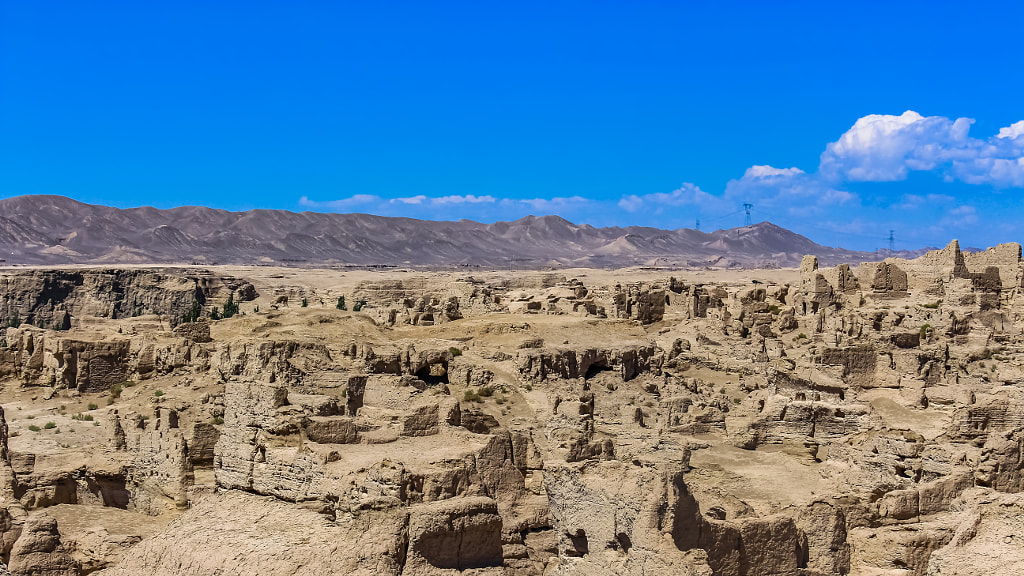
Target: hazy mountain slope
[[59, 230]]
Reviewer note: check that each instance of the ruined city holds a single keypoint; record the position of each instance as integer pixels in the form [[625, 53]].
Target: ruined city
[[857, 419]]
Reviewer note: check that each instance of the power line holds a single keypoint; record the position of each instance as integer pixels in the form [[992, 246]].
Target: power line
[[746, 208], [892, 241]]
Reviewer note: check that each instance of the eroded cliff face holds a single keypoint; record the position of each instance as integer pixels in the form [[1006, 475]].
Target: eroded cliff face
[[848, 421], [52, 299]]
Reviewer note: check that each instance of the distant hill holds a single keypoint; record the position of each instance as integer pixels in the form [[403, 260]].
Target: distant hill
[[54, 230]]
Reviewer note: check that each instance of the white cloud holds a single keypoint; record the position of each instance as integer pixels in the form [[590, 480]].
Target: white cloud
[[550, 205], [1014, 130], [467, 199], [342, 203], [774, 191], [482, 207], [686, 195], [418, 199], [958, 217], [762, 172], [884, 148]]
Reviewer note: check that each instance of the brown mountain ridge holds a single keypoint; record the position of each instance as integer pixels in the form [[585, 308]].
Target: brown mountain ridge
[[56, 230]]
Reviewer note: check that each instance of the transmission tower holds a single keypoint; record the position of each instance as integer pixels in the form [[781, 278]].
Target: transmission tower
[[698, 224], [892, 241], [746, 208]]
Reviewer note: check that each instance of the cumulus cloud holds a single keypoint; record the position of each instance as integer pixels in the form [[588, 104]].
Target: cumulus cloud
[[786, 189], [765, 172], [686, 195], [885, 148], [1014, 130]]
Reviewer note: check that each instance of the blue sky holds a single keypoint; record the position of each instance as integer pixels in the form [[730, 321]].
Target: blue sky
[[839, 121]]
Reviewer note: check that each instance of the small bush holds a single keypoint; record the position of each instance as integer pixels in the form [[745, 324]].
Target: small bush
[[722, 391], [486, 391], [158, 393], [610, 387], [455, 351], [774, 309], [230, 307], [471, 395], [218, 420], [34, 428], [30, 417], [50, 425], [529, 387], [193, 313], [305, 303], [341, 303], [93, 406], [925, 330], [932, 305]]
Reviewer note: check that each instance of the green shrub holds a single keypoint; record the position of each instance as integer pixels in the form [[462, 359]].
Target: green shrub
[[486, 391], [115, 390], [341, 303], [471, 395], [305, 303], [774, 309], [193, 313], [93, 406], [218, 420], [34, 428], [610, 387], [158, 393], [359, 305], [925, 330], [30, 417], [50, 425], [230, 307], [455, 351]]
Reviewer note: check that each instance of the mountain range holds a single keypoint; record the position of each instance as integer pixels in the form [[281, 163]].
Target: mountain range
[[56, 230]]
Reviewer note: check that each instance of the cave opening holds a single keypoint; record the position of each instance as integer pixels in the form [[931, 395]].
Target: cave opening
[[434, 374]]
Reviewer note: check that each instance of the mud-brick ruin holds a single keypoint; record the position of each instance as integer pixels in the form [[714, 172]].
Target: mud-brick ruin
[[864, 419]]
